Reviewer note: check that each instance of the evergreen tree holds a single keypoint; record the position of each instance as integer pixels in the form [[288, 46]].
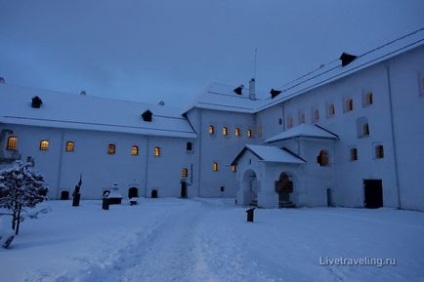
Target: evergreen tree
[[21, 186]]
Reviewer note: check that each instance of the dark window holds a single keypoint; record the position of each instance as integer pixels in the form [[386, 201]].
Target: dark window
[[189, 146]]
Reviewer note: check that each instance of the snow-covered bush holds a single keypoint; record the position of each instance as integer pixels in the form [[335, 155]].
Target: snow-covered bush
[[21, 187]]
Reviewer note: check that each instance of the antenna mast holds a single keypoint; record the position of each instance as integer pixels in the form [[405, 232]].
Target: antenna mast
[[254, 63]]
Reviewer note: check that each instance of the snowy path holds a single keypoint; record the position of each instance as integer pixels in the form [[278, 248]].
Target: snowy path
[[209, 240]]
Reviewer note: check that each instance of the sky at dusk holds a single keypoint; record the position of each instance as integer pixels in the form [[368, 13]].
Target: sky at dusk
[[171, 50]]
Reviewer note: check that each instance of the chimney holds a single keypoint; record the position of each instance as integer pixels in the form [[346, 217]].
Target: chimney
[[252, 95]]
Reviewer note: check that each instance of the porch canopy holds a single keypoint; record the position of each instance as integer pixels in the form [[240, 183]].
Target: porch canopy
[[303, 130]]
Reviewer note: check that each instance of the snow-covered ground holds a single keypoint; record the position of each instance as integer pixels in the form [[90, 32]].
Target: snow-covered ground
[[210, 240]]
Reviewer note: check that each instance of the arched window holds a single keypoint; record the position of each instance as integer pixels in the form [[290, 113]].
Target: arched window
[[12, 143], [134, 150], [156, 151], [111, 149], [322, 158], [215, 166], [302, 118], [70, 146], [44, 145], [225, 131], [379, 152]]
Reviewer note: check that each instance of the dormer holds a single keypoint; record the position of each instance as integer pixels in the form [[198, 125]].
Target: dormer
[[147, 116], [36, 102], [346, 58]]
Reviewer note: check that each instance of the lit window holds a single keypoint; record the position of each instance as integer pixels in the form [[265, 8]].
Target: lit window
[[189, 146], [322, 158], [368, 99], [225, 131], [111, 149], [70, 146], [353, 154], [234, 168], [379, 152], [211, 129], [302, 118], [348, 104], [331, 110], [238, 132], [289, 122], [215, 166], [156, 151], [44, 145], [184, 172], [12, 143], [134, 150], [249, 133], [315, 115]]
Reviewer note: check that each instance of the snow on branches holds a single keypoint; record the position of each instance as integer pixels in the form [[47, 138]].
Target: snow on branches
[[21, 186]]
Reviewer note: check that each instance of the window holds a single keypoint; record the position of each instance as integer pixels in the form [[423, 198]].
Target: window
[[353, 154], [348, 105], [421, 84], [302, 118], [12, 143], [225, 131], [234, 168], [44, 145], [362, 127], [368, 99], [70, 146], [322, 158], [134, 150], [238, 132], [215, 166], [184, 172], [379, 152], [249, 133], [211, 129], [156, 151], [315, 115], [280, 121], [331, 110], [189, 146], [289, 121], [111, 149]]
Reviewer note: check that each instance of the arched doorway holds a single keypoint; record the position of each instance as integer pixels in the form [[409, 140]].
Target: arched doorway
[[250, 188], [284, 187], [132, 192]]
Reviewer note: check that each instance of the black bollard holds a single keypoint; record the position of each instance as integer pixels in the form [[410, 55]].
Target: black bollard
[[76, 199], [105, 204], [250, 213]]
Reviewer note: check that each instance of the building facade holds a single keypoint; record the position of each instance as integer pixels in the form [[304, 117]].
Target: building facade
[[348, 134]]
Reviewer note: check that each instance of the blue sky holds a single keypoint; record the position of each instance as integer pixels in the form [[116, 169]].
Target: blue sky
[[170, 50]]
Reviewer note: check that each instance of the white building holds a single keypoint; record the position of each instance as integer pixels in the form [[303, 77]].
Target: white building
[[348, 134]]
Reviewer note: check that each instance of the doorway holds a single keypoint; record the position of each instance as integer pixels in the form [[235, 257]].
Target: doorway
[[373, 193]]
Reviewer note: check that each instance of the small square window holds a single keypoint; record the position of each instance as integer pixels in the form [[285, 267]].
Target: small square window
[[156, 151], [134, 150], [12, 143], [189, 146], [280, 121], [70, 146], [111, 149], [44, 145]]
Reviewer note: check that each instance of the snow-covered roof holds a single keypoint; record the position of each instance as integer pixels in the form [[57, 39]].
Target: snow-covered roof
[[270, 154], [334, 70], [222, 97], [74, 111], [303, 130]]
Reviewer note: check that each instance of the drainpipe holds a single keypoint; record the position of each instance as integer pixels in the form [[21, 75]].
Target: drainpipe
[[389, 85]]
